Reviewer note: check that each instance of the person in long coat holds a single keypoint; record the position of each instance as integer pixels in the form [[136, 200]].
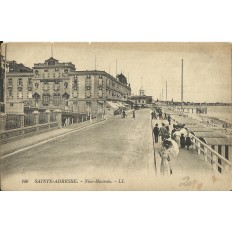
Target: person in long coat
[[156, 132], [182, 141], [165, 168], [188, 141]]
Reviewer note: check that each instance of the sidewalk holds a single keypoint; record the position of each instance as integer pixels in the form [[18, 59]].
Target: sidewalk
[[34, 139]]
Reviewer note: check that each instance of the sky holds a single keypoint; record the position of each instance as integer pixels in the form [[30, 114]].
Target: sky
[[207, 67]]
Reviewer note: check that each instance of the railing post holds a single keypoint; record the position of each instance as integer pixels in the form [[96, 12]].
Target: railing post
[[2, 121], [48, 113], [59, 117], [198, 148], [205, 154], [21, 118], [36, 115], [214, 162]]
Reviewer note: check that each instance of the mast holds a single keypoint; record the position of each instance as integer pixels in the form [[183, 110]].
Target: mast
[[5, 80], [182, 91], [166, 92], [95, 63], [52, 49], [116, 68]]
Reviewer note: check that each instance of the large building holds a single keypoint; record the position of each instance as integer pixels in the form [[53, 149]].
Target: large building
[[54, 85]]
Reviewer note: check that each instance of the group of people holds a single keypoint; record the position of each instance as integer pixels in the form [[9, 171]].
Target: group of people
[[171, 142], [124, 114]]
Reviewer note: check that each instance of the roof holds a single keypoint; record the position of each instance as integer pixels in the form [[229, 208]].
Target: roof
[[218, 141], [199, 129], [209, 134]]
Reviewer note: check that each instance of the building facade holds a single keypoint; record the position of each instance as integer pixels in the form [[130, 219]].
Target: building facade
[[54, 85], [141, 100]]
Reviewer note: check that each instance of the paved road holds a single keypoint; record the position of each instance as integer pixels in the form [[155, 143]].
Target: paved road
[[105, 149]]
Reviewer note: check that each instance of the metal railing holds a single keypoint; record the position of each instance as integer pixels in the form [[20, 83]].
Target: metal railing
[[15, 134], [218, 162], [12, 122], [29, 120]]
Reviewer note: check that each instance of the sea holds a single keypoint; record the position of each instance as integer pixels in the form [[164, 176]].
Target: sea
[[223, 113]]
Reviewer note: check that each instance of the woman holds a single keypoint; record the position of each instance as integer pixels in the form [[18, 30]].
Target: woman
[[165, 168], [176, 135], [182, 141], [188, 141]]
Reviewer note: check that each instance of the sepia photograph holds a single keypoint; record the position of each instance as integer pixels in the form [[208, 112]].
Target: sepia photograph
[[116, 116]]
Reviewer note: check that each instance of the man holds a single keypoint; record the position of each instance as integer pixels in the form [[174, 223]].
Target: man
[[169, 120], [163, 131], [156, 132]]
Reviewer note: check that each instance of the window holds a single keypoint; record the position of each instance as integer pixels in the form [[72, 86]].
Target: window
[[56, 100], [20, 94], [29, 81], [11, 104], [46, 100], [10, 82], [75, 93], [30, 94], [20, 81], [37, 85], [10, 92], [100, 93], [75, 82], [45, 86]]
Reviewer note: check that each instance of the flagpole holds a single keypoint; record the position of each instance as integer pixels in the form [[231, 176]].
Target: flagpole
[[182, 91], [5, 80]]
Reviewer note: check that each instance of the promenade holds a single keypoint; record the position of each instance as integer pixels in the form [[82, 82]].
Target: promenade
[[113, 154], [188, 162]]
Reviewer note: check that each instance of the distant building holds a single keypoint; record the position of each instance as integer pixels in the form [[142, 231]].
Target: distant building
[[141, 100], [54, 85]]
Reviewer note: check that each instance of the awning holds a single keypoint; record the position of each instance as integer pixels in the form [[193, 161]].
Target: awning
[[112, 104], [199, 129], [209, 134], [120, 105], [218, 141]]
